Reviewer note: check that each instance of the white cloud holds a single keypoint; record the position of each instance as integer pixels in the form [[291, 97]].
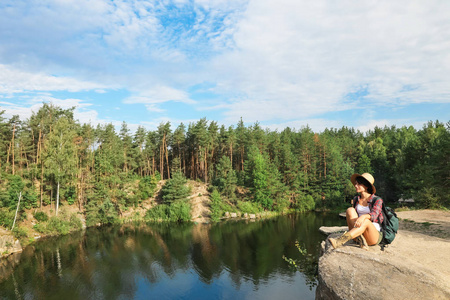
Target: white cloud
[[267, 60], [303, 58], [14, 80], [160, 94]]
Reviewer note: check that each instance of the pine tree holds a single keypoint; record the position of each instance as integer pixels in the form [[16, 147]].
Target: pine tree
[[60, 159]]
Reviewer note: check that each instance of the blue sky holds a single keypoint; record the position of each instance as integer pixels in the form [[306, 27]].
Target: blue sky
[[280, 63]]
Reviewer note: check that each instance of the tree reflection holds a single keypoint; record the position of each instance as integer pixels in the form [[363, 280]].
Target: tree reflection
[[116, 262]]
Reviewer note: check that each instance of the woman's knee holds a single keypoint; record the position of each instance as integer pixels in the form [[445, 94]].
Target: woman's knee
[[351, 212]]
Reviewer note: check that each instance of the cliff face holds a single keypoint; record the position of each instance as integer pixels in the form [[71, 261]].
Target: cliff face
[[414, 266], [8, 244]]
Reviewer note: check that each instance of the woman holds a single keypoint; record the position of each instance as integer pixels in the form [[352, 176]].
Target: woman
[[365, 217]]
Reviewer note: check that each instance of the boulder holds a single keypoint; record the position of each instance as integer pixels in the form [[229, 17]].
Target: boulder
[[406, 269], [233, 215]]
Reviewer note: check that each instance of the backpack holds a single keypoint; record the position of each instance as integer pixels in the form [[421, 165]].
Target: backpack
[[389, 227], [390, 224]]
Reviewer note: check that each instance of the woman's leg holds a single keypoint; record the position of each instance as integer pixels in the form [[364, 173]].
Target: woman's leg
[[369, 231], [351, 215]]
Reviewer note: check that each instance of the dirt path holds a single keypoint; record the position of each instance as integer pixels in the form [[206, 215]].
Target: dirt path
[[200, 202], [430, 222]]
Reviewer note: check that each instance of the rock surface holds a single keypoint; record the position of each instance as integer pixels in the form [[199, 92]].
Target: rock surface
[[414, 266], [8, 243], [334, 229]]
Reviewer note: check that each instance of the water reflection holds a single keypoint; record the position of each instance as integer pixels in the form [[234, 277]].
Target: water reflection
[[236, 259]]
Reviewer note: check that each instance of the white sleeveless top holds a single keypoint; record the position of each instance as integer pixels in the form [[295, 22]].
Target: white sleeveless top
[[363, 210]]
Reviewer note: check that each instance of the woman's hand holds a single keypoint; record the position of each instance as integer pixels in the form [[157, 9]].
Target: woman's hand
[[360, 220]]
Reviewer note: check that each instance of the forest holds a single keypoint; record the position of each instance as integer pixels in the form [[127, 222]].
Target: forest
[[52, 159]]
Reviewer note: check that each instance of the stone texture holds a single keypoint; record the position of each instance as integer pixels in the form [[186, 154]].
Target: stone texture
[[8, 243], [329, 230], [406, 269]]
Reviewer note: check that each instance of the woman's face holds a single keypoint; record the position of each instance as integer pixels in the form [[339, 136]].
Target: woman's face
[[360, 187]]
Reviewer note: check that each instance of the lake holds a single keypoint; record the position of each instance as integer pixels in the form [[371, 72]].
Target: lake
[[236, 259]]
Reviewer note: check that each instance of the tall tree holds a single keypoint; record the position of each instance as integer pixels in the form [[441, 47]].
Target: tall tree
[[60, 157]]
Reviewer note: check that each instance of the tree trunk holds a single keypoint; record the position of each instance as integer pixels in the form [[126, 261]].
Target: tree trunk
[[14, 133], [57, 198], [17, 210], [167, 158]]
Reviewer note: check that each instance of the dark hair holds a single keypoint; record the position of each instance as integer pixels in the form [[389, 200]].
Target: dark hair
[[363, 181]]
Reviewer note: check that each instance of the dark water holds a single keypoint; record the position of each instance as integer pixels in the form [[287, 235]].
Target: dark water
[[229, 260]]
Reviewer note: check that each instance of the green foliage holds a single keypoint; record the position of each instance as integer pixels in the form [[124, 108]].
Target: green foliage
[[158, 213], [226, 179], [364, 165], [306, 264], [59, 225], [52, 150], [180, 211], [249, 207], [147, 186], [257, 178], [6, 217], [306, 203], [176, 212], [428, 198], [107, 213], [20, 232], [216, 205], [70, 195], [15, 186], [40, 216], [75, 222], [175, 189]]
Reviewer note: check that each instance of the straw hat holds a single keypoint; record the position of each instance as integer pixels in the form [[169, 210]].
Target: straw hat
[[367, 177]]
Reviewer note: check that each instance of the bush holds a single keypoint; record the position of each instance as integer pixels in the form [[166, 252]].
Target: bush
[[157, 213], [176, 212], [58, 226], [147, 186], [75, 222], [428, 198], [282, 204], [307, 203], [180, 212], [6, 217], [41, 216], [107, 213], [20, 232], [70, 195], [216, 201], [248, 207]]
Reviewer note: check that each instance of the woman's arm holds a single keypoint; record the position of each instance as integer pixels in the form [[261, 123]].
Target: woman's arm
[[376, 209]]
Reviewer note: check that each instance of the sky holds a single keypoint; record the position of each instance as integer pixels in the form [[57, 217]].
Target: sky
[[297, 63]]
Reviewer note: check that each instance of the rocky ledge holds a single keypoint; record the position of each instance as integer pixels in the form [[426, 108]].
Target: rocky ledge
[[8, 244], [414, 266]]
